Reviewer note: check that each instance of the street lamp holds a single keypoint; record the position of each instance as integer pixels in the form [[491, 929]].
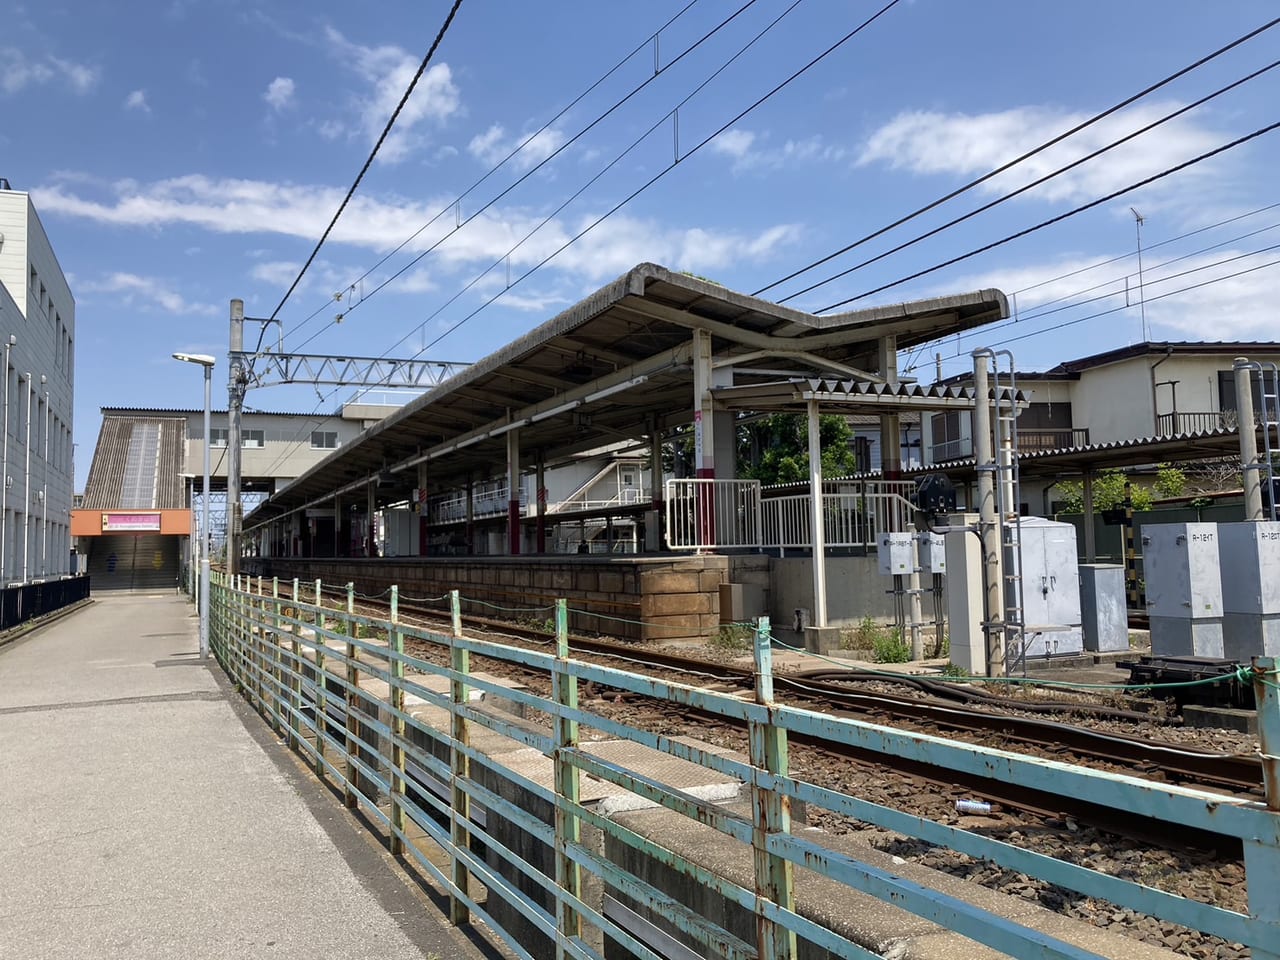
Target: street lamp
[[207, 362]]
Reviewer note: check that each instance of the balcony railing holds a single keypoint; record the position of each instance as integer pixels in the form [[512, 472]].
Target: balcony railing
[[1173, 424], [1036, 438], [1030, 440]]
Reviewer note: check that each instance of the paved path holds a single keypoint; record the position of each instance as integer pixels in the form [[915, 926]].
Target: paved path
[[145, 812]]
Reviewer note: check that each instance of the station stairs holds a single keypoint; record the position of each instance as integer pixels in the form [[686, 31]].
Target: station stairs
[[136, 562]]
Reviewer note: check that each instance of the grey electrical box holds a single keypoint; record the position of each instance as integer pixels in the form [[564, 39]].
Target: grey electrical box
[[965, 597], [1185, 637], [933, 554], [1050, 588], [896, 552], [1180, 566], [1249, 557], [1102, 604], [1249, 635]]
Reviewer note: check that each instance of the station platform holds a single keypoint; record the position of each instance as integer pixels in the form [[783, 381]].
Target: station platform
[[150, 813]]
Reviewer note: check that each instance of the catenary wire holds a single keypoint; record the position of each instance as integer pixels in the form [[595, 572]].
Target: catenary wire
[[1163, 296], [662, 173], [1034, 183], [324, 398], [1169, 171], [1030, 153], [395, 114], [1058, 304], [830, 49], [913, 363], [582, 189], [1170, 293], [536, 167]]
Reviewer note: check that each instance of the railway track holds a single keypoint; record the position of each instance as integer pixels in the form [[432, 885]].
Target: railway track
[[983, 716]]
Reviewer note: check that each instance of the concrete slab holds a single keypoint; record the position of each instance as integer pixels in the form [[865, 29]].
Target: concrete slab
[[153, 815]]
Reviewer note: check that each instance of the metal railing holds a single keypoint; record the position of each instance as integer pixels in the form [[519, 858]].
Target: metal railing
[[334, 684], [717, 514], [1035, 438], [849, 519], [22, 603], [1173, 424], [712, 514]]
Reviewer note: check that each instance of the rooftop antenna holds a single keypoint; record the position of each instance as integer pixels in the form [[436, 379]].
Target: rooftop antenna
[[1142, 300]]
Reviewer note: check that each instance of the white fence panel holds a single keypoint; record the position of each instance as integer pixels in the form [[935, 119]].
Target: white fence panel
[[711, 514]]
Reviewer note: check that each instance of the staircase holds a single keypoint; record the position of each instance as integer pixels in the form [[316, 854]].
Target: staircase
[[143, 562]]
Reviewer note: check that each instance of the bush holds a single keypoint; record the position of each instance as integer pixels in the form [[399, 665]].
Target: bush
[[889, 647], [861, 637], [736, 637]]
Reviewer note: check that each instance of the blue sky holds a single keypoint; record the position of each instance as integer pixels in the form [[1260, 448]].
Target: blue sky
[[184, 153]]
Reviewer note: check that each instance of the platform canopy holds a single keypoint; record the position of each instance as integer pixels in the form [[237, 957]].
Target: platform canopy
[[617, 366]]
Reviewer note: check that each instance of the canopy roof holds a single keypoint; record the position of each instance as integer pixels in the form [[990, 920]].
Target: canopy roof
[[617, 365]]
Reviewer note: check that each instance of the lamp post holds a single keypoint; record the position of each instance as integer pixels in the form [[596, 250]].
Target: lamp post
[[207, 362]]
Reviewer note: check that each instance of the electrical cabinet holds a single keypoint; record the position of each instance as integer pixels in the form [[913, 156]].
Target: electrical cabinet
[[965, 598], [1180, 567], [896, 553], [1102, 603], [1050, 588], [1187, 637], [933, 555], [1249, 557]]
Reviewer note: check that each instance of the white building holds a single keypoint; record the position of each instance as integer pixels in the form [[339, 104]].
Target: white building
[[37, 330]]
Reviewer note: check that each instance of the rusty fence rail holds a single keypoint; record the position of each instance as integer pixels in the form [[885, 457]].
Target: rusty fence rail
[[396, 734]]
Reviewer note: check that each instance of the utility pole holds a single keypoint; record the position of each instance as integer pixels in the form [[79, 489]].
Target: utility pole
[[236, 385]]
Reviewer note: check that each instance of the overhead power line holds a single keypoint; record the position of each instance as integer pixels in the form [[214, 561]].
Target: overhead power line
[[1037, 182], [1170, 293], [658, 176], [422, 67], [814, 61], [1017, 160], [1060, 217], [454, 204]]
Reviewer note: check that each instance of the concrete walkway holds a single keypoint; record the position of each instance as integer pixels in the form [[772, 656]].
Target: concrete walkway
[[147, 813]]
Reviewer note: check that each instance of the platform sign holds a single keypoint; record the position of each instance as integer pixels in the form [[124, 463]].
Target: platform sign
[[131, 523]]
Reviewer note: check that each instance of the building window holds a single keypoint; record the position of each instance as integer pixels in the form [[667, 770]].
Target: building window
[[217, 436], [1227, 389], [949, 442], [254, 438], [324, 439]]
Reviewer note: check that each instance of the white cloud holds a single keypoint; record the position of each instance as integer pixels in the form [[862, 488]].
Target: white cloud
[[387, 70], [965, 145], [18, 71], [751, 152], [279, 94], [227, 206], [734, 143], [279, 273], [493, 146], [148, 291], [137, 100]]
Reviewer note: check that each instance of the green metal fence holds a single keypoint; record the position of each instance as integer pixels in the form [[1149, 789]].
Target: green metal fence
[[335, 682]]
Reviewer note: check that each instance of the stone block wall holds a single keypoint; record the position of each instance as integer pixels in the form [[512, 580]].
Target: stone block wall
[[676, 598]]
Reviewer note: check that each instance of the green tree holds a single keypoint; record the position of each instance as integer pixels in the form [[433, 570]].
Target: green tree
[[1108, 493], [1170, 481], [775, 449]]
